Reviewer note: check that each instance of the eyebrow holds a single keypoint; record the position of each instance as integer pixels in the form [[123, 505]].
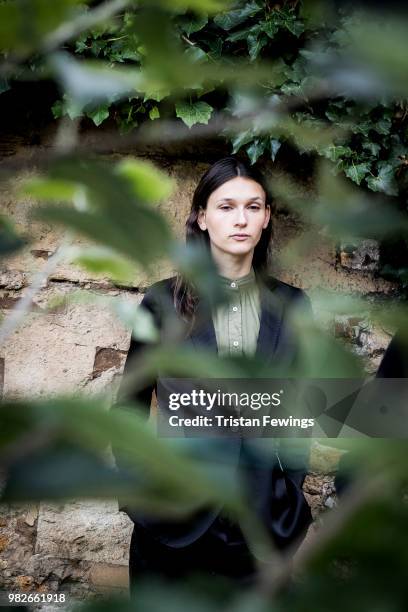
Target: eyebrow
[[232, 199]]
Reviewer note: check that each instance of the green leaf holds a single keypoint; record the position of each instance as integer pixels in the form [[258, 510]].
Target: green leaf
[[231, 19], [50, 189], [156, 94], [110, 213], [240, 139], [239, 35], [196, 112], [357, 172], [193, 24], [24, 26], [196, 54], [275, 145], [147, 182], [270, 28], [255, 45], [154, 113], [94, 81], [98, 115], [385, 180], [383, 126], [58, 109], [100, 260], [372, 147], [256, 149], [139, 320], [296, 27], [9, 239], [336, 152]]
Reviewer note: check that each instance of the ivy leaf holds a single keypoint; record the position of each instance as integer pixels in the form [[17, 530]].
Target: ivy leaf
[[241, 139], [154, 113], [238, 35], [335, 152], [256, 149], [194, 112], [296, 27], [196, 54], [357, 172], [270, 28], [383, 126], [233, 18], [362, 127], [189, 26], [215, 47], [255, 45], [372, 147], [385, 181], [58, 109], [275, 145], [98, 115], [155, 94]]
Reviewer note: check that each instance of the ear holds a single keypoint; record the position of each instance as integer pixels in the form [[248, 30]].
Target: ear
[[267, 216], [201, 219]]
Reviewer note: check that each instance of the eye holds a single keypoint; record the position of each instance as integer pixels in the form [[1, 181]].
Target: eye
[[225, 207], [254, 207]]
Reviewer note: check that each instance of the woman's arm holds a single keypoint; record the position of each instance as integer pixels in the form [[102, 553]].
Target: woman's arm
[[142, 394]]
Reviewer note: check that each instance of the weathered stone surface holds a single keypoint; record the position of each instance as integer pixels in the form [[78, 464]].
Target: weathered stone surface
[[366, 339], [17, 538], [55, 352], [324, 459], [312, 264], [364, 255], [84, 530], [109, 575]]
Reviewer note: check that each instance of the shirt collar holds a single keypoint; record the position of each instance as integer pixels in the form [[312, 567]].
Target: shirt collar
[[243, 283]]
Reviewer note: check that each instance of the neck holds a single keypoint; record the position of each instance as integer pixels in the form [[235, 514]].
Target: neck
[[233, 266]]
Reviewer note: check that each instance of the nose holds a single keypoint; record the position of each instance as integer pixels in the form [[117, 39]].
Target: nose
[[241, 218]]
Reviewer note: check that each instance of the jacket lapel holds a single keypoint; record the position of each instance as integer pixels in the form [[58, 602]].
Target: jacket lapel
[[271, 321]]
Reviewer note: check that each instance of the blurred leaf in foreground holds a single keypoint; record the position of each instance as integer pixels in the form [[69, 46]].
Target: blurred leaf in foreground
[[10, 241], [108, 210]]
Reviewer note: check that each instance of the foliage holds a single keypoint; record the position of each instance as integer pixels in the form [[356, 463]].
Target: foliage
[[279, 78], [371, 147]]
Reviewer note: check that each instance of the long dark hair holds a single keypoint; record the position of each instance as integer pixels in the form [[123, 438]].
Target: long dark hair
[[225, 169]]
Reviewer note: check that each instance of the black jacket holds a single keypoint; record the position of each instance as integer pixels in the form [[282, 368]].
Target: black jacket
[[277, 497]]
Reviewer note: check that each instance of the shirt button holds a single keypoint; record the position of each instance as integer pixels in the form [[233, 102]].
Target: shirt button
[[235, 343], [233, 285], [235, 308]]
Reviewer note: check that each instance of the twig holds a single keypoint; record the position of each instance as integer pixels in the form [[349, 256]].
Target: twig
[[23, 306], [76, 26], [65, 31]]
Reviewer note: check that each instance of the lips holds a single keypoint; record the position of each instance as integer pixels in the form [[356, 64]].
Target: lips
[[240, 236]]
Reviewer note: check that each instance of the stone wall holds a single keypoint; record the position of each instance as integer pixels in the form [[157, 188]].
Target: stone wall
[[82, 547]]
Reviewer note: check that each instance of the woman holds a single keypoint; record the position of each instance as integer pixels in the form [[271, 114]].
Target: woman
[[231, 216]]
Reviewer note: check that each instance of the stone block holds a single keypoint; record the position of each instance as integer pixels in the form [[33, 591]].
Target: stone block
[[89, 530]]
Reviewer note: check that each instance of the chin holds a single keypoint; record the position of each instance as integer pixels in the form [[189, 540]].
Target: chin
[[239, 249]]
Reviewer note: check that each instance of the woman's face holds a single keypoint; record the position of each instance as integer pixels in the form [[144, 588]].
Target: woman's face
[[235, 217]]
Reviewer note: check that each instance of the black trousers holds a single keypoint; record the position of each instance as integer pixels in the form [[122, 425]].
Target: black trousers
[[209, 555]]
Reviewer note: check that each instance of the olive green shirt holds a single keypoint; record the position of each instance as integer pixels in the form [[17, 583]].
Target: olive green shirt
[[236, 327], [236, 323]]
